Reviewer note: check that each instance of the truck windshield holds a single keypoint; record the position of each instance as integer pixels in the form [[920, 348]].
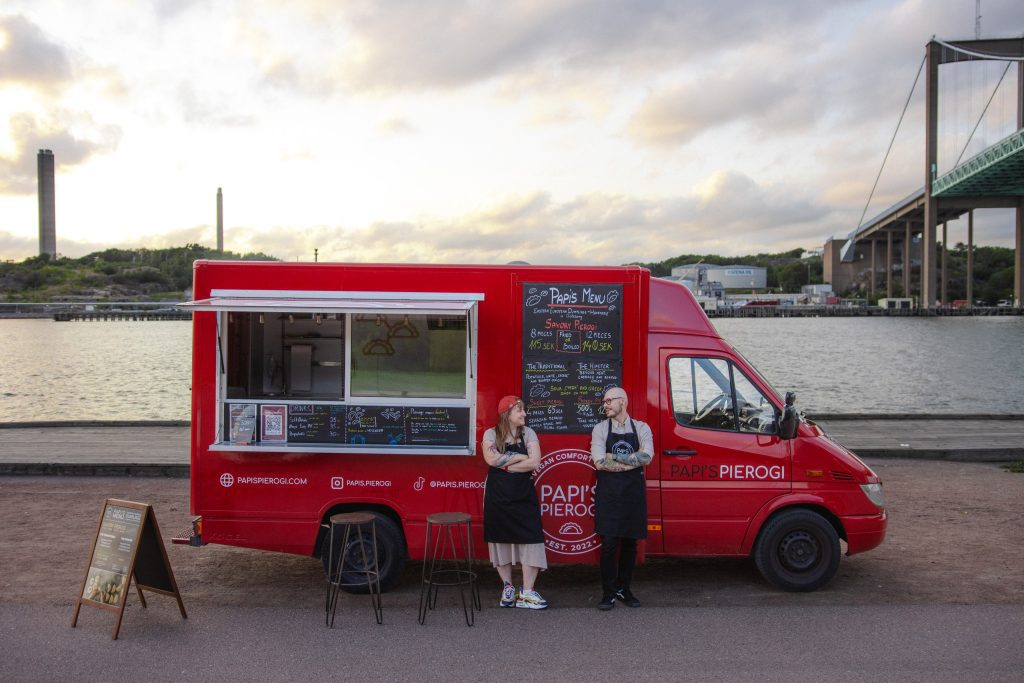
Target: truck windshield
[[757, 373]]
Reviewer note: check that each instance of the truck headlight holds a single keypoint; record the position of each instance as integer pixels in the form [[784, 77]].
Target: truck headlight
[[874, 494]]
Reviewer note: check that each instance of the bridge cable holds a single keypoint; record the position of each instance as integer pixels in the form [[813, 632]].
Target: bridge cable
[[906, 105], [983, 111]]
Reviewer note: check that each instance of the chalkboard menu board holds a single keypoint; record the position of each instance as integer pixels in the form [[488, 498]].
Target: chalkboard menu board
[[566, 320], [378, 425], [572, 352], [436, 426], [313, 423], [127, 545]]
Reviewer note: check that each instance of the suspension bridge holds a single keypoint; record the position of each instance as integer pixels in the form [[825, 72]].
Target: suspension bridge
[[991, 178]]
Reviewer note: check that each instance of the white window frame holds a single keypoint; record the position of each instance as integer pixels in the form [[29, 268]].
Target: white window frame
[[225, 301]]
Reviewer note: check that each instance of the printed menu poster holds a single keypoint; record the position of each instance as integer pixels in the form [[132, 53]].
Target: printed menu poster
[[243, 422], [107, 580]]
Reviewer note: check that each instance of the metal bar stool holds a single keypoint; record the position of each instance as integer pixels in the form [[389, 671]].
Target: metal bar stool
[[443, 565], [353, 529]]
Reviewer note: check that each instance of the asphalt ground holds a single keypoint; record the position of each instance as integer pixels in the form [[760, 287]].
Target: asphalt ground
[[782, 643], [941, 599]]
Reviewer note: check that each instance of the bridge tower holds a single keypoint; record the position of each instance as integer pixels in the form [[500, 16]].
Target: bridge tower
[[984, 196]]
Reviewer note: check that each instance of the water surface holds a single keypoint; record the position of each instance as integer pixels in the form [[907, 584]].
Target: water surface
[[141, 370]]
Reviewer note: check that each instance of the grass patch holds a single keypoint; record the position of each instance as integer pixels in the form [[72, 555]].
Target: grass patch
[[1016, 466]]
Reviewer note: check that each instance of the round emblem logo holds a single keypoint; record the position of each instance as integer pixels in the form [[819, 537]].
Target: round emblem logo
[[227, 480], [621, 448], [565, 489]]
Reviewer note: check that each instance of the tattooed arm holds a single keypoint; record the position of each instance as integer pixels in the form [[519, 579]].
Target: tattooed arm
[[601, 458], [495, 459], [532, 459], [645, 454]]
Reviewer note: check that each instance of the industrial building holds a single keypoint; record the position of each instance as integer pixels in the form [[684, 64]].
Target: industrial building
[[703, 277]]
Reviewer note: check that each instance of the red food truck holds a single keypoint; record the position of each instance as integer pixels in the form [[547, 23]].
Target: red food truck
[[323, 388]]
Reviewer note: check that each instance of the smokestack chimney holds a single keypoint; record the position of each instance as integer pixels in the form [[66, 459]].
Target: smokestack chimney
[[47, 205], [220, 220]]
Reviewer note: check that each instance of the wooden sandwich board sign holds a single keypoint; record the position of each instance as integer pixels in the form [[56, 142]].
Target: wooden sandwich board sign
[[127, 546]]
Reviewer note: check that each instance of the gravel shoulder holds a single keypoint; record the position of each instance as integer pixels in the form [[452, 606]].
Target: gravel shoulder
[[956, 536]]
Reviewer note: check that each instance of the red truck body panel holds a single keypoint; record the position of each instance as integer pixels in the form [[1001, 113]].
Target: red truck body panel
[[709, 503]]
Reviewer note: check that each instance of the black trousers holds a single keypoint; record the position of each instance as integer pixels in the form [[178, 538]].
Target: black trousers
[[618, 555]]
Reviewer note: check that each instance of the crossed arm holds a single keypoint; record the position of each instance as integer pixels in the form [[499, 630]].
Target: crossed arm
[[514, 462], [610, 462]]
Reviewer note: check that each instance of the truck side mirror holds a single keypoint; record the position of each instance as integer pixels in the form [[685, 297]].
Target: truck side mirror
[[790, 420]]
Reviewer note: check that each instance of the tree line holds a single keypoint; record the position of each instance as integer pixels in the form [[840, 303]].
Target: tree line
[[110, 274], [166, 273]]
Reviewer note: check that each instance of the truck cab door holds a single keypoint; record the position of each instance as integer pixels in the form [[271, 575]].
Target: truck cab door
[[721, 459]]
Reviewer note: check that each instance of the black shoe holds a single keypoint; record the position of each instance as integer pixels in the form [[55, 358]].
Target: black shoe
[[626, 597], [607, 602]]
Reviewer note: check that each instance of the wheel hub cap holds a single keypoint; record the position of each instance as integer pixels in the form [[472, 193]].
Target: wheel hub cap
[[799, 550]]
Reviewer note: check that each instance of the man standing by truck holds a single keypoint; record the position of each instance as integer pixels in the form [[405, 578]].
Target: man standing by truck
[[620, 448]]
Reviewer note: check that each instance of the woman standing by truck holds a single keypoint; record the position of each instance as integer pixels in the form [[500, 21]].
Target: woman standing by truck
[[512, 524]]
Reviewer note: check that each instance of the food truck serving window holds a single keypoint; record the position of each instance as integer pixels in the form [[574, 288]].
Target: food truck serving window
[[352, 371]]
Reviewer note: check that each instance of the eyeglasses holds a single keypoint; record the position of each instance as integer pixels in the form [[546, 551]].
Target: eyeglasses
[[608, 401]]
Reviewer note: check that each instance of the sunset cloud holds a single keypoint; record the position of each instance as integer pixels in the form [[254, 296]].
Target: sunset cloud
[[569, 131]]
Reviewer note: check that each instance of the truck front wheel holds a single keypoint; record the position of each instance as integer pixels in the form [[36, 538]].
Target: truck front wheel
[[798, 550], [391, 555]]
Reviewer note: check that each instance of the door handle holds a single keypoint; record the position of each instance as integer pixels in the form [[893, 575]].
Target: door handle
[[680, 452]]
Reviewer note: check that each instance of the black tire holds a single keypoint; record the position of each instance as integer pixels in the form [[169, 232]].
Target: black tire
[[798, 550], [391, 555]]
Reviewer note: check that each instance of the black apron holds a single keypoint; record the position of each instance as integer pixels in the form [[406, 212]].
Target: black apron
[[511, 510], [620, 502]]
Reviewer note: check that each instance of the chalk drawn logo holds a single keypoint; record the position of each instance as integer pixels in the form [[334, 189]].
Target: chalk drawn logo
[[227, 480], [565, 489]]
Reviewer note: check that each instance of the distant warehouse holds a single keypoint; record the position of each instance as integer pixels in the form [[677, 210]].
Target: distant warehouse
[[704, 275]]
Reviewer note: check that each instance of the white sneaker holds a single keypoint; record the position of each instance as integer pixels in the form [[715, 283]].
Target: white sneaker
[[508, 596], [531, 600]]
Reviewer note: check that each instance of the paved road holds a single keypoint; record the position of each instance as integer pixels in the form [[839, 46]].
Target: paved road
[[941, 599], [906, 643]]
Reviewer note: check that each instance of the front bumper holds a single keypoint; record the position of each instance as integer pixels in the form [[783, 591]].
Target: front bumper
[[864, 532]]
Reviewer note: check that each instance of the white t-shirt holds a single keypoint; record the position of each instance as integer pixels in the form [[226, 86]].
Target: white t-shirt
[[529, 436]]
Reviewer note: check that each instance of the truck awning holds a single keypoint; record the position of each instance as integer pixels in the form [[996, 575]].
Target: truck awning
[[432, 303]]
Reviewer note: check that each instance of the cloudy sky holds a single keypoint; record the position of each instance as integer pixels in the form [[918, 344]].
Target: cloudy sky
[[550, 131]]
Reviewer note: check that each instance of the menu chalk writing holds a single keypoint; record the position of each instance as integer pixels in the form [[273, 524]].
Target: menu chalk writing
[[316, 423], [375, 425], [436, 426], [572, 353], [566, 396], [572, 320], [378, 425]]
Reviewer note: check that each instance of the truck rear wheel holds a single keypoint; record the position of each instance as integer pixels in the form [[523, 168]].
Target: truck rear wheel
[[798, 550], [391, 556]]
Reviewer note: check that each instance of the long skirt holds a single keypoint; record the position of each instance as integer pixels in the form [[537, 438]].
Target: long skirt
[[532, 554]]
